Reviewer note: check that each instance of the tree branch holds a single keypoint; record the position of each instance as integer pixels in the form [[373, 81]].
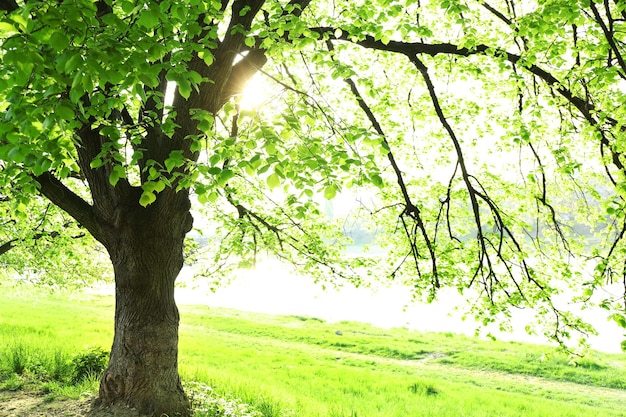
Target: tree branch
[[211, 96], [7, 246], [72, 204], [105, 196], [410, 50], [410, 209], [485, 268], [608, 35], [457, 146], [543, 199], [497, 13], [236, 76]]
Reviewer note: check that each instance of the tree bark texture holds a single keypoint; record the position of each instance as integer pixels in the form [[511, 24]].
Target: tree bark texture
[[146, 250]]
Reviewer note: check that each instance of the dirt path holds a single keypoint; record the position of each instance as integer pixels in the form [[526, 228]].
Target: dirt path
[[34, 404], [30, 404]]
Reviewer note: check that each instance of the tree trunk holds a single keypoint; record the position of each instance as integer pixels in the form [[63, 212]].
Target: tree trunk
[[147, 254]]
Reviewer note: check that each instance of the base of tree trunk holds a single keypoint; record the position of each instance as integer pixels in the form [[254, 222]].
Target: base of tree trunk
[[112, 411], [100, 409], [142, 377]]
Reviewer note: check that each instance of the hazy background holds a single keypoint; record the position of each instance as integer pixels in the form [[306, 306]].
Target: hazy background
[[271, 288]]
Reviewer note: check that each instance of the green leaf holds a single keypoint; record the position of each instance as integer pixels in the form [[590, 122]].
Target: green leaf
[[148, 186], [129, 7], [153, 173], [620, 319], [43, 165], [64, 172], [184, 87], [113, 178], [207, 57], [73, 62], [96, 163], [250, 170], [212, 197], [194, 77], [207, 197], [148, 79], [175, 160], [23, 73], [153, 186], [147, 198], [330, 192], [159, 186], [76, 93], [377, 180], [16, 154], [202, 198], [205, 125], [59, 41], [196, 145], [65, 110], [148, 18], [170, 164], [224, 176], [273, 180], [20, 20], [244, 10], [7, 29], [117, 173], [214, 159]]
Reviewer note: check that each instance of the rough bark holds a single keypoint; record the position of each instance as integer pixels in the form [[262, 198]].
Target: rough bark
[[146, 250]]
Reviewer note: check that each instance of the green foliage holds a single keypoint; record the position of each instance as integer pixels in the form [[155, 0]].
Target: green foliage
[[90, 363], [13, 383], [17, 358], [29, 363], [207, 403], [47, 246], [22, 362]]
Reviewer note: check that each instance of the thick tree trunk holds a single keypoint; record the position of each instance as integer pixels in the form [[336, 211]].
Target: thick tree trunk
[[147, 255]]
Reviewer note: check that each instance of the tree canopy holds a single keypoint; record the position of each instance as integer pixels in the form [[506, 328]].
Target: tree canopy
[[486, 140]]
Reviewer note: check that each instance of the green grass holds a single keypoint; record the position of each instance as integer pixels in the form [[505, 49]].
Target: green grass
[[446, 348], [299, 366]]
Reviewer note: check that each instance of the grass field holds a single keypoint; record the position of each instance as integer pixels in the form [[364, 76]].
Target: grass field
[[239, 364]]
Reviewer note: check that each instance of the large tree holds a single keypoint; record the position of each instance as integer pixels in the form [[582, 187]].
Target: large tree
[[493, 133]]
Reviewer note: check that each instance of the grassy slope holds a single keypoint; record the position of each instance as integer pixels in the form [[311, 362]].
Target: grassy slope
[[300, 364]]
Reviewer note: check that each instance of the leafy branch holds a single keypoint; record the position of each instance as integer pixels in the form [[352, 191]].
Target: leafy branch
[[504, 232], [410, 210]]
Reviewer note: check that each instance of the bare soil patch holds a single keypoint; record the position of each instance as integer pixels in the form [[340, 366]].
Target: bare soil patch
[[31, 404], [35, 404]]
